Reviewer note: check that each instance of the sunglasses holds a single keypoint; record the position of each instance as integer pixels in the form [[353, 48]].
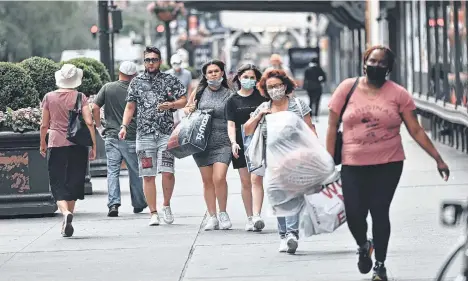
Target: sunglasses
[[152, 60]]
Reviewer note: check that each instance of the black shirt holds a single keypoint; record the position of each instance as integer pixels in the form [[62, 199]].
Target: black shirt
[[239, 108]]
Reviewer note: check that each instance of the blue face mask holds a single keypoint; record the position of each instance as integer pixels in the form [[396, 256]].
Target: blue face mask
[[248, 83], [215, 83]]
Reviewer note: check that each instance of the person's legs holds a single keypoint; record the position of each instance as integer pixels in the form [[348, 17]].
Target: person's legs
[[355, 182], [385, 181], [166, 168], [210, 197], [114, 160], [246, 190], [147, 165], [311, 101], [257, 198], [221, 190], [76, 173], [318, 97], [136, 184]]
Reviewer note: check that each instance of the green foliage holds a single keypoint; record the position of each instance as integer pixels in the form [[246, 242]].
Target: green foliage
[[41, 71], [98, 66], [16, 88], [91, 83], [45, 28], [164, 67]]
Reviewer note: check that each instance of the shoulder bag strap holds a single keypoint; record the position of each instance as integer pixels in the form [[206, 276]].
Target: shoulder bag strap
[[78, 102], [348, 97]]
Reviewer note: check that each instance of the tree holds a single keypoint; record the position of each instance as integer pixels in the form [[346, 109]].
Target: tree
[[44, 28]]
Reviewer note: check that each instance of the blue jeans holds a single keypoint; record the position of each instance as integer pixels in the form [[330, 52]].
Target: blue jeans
[[116, 151], [288, 225]]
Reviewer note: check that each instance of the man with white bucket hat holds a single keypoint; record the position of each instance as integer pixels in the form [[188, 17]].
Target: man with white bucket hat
[[113, 97]]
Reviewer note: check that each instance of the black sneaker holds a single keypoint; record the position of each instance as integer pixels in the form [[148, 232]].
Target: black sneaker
[[380, 272], [113, 211], [365, 257], [138, 210]]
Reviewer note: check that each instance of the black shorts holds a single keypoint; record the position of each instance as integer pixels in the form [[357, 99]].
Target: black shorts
[[239, 162], [67, 170]]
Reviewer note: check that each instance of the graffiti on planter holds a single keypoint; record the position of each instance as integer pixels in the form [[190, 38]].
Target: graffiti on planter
[[14, 171]]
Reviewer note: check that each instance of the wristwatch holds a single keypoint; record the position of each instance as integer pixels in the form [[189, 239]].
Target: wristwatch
[[123, 126]]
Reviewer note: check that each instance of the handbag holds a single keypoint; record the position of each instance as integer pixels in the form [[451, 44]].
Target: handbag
[[191, 134], [77, 131], [339, 133]]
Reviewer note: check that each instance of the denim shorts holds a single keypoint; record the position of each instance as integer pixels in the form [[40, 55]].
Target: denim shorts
[[153, 158]]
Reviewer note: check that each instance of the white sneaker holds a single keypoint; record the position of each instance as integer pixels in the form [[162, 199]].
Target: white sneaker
[[224, 221], [167, 217], [291, 242], [249, 226], [283, 248], [258, 223], [154, 219], [212, 223]]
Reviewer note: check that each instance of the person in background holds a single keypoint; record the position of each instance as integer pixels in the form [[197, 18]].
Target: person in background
[[113, 97], [212, 93], [277, 87], [238, 110], [373, 155], [314, 77], [154, 95], [67, 162], [182, 74], [276, 62]]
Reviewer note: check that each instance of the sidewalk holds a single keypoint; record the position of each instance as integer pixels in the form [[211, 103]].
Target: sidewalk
[[125, 248]]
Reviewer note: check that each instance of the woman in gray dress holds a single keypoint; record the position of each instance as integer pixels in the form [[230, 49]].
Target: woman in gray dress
[[212, 93]]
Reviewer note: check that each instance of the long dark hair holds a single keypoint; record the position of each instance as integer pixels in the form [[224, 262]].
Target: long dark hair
[[204, 83], [244, 68]]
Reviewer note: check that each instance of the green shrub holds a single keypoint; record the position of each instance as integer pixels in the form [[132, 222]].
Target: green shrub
[[98, 66], [16, 88], [164, 67], [91, 83], [42, 72]]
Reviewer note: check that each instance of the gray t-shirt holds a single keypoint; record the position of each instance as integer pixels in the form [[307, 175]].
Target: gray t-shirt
[[295, 105], [183, 75], [113, 97]]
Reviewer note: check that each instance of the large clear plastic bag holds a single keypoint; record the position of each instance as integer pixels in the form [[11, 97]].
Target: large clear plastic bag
[[296, 163]]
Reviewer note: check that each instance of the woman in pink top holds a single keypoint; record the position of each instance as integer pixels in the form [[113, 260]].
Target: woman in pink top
[[67, 161], [372, 155]]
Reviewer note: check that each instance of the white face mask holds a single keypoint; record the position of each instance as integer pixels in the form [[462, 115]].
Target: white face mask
[[277, 93]]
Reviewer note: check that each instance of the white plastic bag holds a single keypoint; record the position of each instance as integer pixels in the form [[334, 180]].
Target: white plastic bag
[[323, 212], [296, 162]]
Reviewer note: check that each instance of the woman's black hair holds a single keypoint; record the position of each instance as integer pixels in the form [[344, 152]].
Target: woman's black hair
[[204, 83], [244, 68]]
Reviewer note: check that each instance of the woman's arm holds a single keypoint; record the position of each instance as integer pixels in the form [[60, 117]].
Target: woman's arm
[[331, 132], [89, 122], [419, 135], [43, 131], [232, 131], [252, 123], [308, 121]]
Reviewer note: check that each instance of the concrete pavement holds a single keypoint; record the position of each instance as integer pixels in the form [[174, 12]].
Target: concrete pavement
[[125, 248]]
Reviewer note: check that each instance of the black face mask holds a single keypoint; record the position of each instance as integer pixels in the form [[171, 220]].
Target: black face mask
[[376, 74]]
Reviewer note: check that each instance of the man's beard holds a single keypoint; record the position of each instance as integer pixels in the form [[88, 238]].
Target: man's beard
[[152, 72]]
